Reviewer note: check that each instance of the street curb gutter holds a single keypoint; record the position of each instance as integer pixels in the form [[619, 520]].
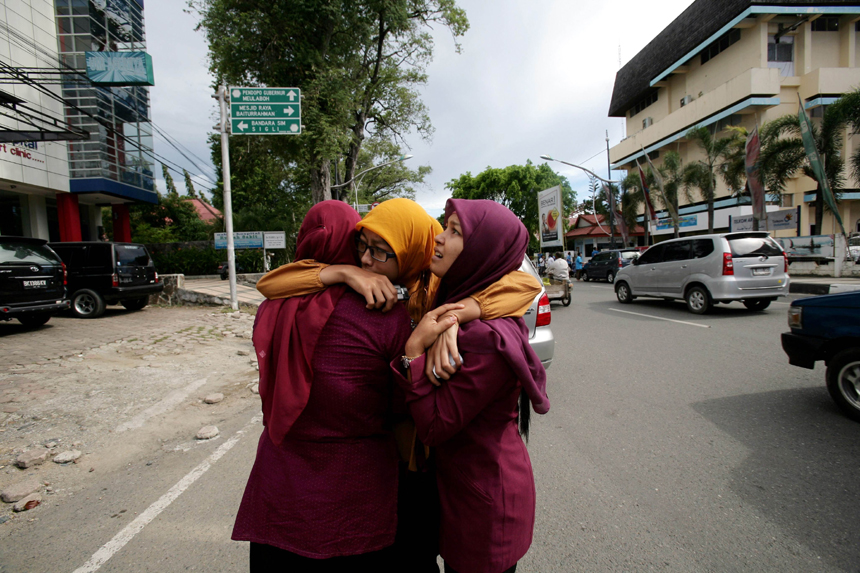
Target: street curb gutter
[[808, 288]]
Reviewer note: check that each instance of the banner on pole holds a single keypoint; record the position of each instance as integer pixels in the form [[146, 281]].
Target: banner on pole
[[753, 149], [549, 211], [815, 161], [776, 221]]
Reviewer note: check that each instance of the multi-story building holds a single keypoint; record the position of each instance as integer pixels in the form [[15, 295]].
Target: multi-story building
[[56, 189], [740, 62]]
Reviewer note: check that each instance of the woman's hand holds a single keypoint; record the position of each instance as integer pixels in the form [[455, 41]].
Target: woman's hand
[[376, 289], [440, 354], [429, 329]]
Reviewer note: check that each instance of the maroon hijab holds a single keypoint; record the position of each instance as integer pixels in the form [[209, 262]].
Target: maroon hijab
[[494, 244], [286, 330]]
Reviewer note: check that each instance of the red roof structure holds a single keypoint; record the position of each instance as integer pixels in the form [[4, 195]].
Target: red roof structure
[[587, 226], [205, 211]]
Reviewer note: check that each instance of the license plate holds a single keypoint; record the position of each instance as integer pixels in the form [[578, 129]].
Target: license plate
[[760, 272], [36, 284]]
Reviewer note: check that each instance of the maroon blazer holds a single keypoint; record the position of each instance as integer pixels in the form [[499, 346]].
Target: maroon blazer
[[486, 485]]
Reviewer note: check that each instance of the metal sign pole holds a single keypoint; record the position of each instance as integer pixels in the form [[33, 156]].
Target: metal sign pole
[[228, 204]]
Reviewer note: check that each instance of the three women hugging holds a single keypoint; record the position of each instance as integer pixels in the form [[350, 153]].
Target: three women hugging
[[386, 445]]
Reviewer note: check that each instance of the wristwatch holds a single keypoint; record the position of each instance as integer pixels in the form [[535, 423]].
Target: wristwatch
[[405, 361]]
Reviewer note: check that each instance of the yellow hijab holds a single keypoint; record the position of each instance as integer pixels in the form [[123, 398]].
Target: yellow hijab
[[411, 233]]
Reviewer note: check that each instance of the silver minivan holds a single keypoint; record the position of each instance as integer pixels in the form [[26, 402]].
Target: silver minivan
[[703, 270]]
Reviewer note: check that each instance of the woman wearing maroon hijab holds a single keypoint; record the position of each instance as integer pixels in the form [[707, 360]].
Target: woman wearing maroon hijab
[[322, 495], [486, 485]]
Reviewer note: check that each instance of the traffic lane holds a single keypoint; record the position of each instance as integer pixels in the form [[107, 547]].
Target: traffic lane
[[628, 403]]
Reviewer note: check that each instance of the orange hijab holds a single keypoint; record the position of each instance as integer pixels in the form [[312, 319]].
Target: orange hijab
[[411, 233]]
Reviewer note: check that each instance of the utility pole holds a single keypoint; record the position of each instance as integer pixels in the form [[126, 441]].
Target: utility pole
[[228, 201], [611, 210]]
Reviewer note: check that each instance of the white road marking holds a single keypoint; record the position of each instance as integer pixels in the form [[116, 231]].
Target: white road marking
[[598, 286], [168, 403], [661, 318], [107, 551]]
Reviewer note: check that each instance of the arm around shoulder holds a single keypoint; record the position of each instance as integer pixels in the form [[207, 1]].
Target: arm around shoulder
[[293, 279], [510, 296]]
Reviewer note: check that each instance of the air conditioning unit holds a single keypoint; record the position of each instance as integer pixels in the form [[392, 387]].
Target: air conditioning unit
[[686, 99], [647, 122]]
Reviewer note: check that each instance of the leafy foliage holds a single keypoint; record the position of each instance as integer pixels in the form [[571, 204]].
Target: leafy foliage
[[702, 174]]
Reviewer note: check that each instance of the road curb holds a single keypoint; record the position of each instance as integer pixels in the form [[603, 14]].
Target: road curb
[[808, 288]]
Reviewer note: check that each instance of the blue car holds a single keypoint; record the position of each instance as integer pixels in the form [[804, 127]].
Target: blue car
[[828, 328]]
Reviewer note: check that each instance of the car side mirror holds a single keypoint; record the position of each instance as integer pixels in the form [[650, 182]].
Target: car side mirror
[[636, 261]]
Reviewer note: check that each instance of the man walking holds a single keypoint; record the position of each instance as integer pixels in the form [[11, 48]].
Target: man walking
[[578, 266]]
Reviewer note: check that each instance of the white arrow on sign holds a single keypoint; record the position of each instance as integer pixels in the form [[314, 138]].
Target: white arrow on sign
[[289, 111], [291, 95], [242, 125]]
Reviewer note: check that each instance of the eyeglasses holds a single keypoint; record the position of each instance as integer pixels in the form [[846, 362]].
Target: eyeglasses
[[376, 253]]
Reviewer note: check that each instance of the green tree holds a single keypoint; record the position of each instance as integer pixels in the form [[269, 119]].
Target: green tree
[[702, 174], [356, 62], [515, 187], [189, 186], [395, 180], [168, 180]]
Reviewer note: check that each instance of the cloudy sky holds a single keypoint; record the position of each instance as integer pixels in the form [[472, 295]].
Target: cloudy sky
[[533, 78]]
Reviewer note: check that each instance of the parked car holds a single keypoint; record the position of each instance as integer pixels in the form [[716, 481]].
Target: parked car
[[32, 281], [828, 328], [538, 318], [606, 264], [108, 273], [707, 269]]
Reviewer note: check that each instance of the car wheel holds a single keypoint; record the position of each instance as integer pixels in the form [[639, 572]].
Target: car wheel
[[843, 382], [585, 276], [698, 300], [610, 277], [87, 304], [135, 303], [622, 292], [34, 320], [757, 304]]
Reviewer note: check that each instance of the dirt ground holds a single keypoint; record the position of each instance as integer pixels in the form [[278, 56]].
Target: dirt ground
[[120, 389]]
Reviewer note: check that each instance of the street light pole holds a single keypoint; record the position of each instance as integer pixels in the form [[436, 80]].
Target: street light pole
[[596, 176], [361, 174], [609, 189]]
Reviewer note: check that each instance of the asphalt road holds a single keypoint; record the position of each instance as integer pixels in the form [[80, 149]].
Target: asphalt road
[[670, 446]]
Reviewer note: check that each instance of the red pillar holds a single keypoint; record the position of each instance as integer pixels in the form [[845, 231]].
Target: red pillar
[[69, 216], [121, 223]]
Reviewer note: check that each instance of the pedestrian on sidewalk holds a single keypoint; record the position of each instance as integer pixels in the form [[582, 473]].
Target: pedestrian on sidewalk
[[578, 266], [477, 419]]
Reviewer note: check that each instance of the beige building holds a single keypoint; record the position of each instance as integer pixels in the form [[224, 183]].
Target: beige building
[[740, 62]]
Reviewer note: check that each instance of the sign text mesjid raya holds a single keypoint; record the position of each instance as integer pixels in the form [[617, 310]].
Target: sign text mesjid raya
[[550, 215]]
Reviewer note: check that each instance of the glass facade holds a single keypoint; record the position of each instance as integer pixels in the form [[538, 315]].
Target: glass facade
[[123, 152]]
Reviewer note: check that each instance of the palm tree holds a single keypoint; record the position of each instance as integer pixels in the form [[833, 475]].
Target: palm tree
[[783, 154], [703, 173], [671, 176]]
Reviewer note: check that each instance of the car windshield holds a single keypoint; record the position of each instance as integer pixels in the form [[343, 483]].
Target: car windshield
[[132, 255], [11, 253], [754, 247], [630, 255]]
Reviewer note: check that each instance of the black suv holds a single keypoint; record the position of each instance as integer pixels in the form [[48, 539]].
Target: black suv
[[108, 273], [32, 281], [605, 264]]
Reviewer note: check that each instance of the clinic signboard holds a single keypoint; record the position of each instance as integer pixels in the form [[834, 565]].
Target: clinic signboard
[[550, 214], [120, 68], [241, 240]]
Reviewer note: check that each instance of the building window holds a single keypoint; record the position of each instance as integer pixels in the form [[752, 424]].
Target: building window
[[786, 200], [643, 103], [724, 123], [781, 55], [720, 44], [826, 24]]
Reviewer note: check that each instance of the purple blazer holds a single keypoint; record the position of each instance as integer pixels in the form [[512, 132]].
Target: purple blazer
[[330, 489], [486, 485]]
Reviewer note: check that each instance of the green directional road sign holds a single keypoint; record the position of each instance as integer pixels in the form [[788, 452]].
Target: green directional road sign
[[267, 111]]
